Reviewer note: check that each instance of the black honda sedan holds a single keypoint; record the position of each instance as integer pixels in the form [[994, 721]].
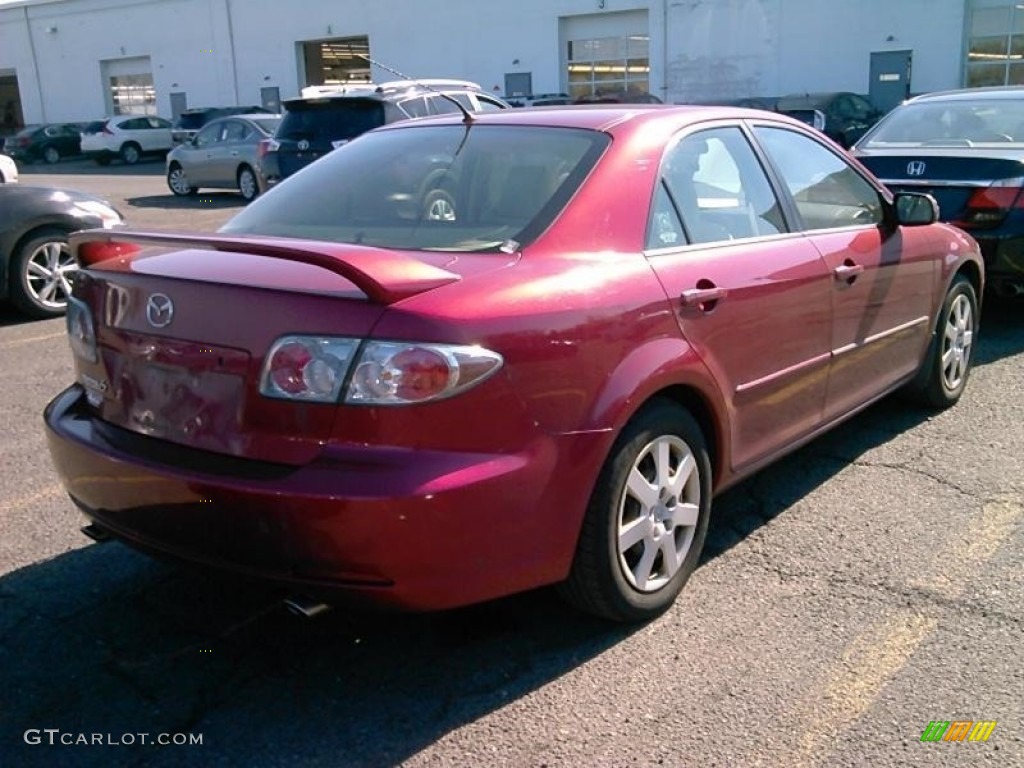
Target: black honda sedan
[[965, 148]]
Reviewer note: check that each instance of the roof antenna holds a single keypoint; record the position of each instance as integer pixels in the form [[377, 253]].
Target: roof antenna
[[467, 116]]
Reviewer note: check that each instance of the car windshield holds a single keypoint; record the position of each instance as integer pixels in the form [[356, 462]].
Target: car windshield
[[440, 187], [950, 123], [328, 120]]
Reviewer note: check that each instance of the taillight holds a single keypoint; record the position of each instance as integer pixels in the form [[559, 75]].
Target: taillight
[[396, 373], [313, 369], [307, 368], [988, 207], [265, 146]]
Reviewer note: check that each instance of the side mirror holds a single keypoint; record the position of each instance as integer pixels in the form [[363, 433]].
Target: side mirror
[[915, 208]]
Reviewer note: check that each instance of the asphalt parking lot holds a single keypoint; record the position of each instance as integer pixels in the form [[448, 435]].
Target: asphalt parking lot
[[856, 591]]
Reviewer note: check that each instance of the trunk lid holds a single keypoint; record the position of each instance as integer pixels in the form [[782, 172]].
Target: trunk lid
[[950, 178], [182, 334]]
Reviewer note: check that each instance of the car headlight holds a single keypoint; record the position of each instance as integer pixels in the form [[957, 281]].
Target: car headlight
[[105, 213]]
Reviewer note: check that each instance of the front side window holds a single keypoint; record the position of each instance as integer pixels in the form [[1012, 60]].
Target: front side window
[[209, 135], [827, 190], [432, 187], [719, 189]]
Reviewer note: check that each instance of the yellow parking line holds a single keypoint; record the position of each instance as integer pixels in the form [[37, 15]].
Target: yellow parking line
[[985, 534], [850, 689], [830, 707], [31, 340]]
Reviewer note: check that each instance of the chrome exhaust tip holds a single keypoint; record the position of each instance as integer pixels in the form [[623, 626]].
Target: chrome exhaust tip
[[306, 607], [95, 533]]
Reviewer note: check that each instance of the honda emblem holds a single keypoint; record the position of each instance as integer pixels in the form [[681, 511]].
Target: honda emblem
[[915, 168], [303, 145]]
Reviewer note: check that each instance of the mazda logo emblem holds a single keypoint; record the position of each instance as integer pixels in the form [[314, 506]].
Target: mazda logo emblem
[[915, 168], [303, 145], [159, 310]]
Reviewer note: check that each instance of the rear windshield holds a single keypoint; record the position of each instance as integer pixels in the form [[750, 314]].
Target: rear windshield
[[448, 188], [950, 123], [328, 120]]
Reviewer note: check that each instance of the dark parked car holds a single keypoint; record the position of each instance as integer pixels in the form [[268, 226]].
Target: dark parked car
[[48, 143], [618, 97], [222, 155], [190, 121], [328, 116], [546, 385], [35, 261], [842, 116], [966, 149], [538, 100]]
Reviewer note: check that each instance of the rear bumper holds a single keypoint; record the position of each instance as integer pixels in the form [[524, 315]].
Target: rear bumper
[[400, 528]]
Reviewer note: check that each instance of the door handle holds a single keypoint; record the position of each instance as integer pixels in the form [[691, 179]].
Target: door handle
[[847, 272], [703, 299]]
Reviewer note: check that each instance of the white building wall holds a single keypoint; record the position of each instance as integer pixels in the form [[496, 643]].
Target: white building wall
[[225, 51]]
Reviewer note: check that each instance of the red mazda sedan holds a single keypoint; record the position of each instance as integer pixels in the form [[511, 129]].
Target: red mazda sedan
[[459, 358]]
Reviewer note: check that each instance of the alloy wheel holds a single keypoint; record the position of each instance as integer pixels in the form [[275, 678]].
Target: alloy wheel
[[958, 337], [658, 513], [47, 274]]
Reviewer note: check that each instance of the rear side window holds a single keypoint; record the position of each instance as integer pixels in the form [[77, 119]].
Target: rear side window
[[719, 189], [330, 120]]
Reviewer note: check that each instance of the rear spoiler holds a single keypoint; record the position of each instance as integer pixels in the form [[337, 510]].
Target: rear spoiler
[[384, 276]]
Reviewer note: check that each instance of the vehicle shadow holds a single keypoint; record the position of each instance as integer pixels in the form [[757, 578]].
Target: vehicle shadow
[[1002, 329], [204, 200], [102, 640], [78, 166], [105, 641]]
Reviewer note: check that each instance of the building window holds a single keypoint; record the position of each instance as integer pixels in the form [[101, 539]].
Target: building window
[[995, 53], [609, 65], [133, 94]]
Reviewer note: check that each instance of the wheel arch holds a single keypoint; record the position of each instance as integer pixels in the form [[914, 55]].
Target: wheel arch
[[667, 369]]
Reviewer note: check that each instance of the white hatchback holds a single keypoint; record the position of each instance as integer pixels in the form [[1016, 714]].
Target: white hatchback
[[129, 137], [8, 170]]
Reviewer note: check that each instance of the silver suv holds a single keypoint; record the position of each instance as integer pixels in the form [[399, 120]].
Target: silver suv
[[327, 116]]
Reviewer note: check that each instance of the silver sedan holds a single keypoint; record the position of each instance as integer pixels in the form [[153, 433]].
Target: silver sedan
[[222, 155]]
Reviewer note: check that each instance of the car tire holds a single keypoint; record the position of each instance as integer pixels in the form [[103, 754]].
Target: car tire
[[131, 153], [439, 205], [647, 519], [248, 184], [51, 155], [39, 284], [943, 374], [177, 182]]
